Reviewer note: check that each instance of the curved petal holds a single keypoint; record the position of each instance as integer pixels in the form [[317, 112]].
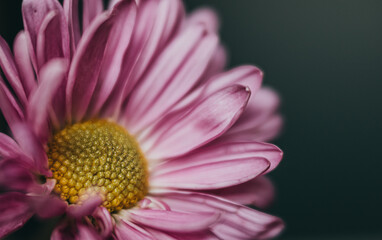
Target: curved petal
[[14, 212], [206, 16], [103, 222], [8, 147], [49, 206], [173, 221], [50, 42], [51, 77], [125, 230], [77, 231], [86, 65], [15, 175], [201, 124], [23, 62], [173, 74], [216, 152], [34, 13], [9, 68], [235, 222], [259, 192], [85, 209], [211, 175]]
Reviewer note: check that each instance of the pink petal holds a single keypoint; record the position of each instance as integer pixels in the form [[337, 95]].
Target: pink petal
[[118, 43], [217, 63], [235, 222], [15, 175], [34, 13], [173, 221], [9, 106], [72, 16], [76, 231], [125, 230], [204, 16], [23, 62], [178, 68], [157, 22], [14, 212], [85, 232], [217, 152], [103, 221], [86, 65], [212, 175], [259, 192], [51, 43], [49, 206], [32, 147], [200, 124], [91, 9], [51, 77], [8, 147], [85, 209], [10, 71]]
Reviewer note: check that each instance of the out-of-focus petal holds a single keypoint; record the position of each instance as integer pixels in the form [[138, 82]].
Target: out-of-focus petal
[[173, 221], [48, 206], [23, 62], [85, 209], [15, 175], [8, 147], [258, 192], [72, 16], [191, 128], [91, 9], [51, 77], [76, 231], [14, 212], [9, 68], [10, 108], [173, 75], [204, 16]]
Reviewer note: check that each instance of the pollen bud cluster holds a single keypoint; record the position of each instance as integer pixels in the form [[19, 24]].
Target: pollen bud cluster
[[101, 157]]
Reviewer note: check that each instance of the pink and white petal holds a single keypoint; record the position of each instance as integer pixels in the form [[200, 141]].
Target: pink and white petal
[[10, 108], [179, 68], [34, 13], [31, 146], [91, 9], [52, 76], [201, 124], [126, 230], [14, 212], [204, 16], [173, 221], [10, 71], [85, 209], [48, 206], [157, 22], [212, 175], [15, 175], [258, 192], [118, 43], [23, 63], [86, 66], [223, 151], [236, 221], [72, 16], [50, 41], [104, 222]]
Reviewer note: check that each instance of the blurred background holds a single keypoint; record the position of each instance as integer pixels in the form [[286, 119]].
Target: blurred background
[[325, 59]]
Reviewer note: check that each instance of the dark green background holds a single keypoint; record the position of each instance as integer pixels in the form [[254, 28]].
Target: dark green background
[[325, 60]]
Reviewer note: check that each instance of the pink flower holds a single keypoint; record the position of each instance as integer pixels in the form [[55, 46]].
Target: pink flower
[[126, 123]]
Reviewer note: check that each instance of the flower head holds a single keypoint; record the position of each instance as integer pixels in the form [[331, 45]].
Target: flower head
[[126, 124]]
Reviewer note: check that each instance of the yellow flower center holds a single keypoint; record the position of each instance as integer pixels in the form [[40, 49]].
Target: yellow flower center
[[100, 157]]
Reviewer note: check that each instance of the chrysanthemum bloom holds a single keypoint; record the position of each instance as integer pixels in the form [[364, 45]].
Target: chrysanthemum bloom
[[125, 124]]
